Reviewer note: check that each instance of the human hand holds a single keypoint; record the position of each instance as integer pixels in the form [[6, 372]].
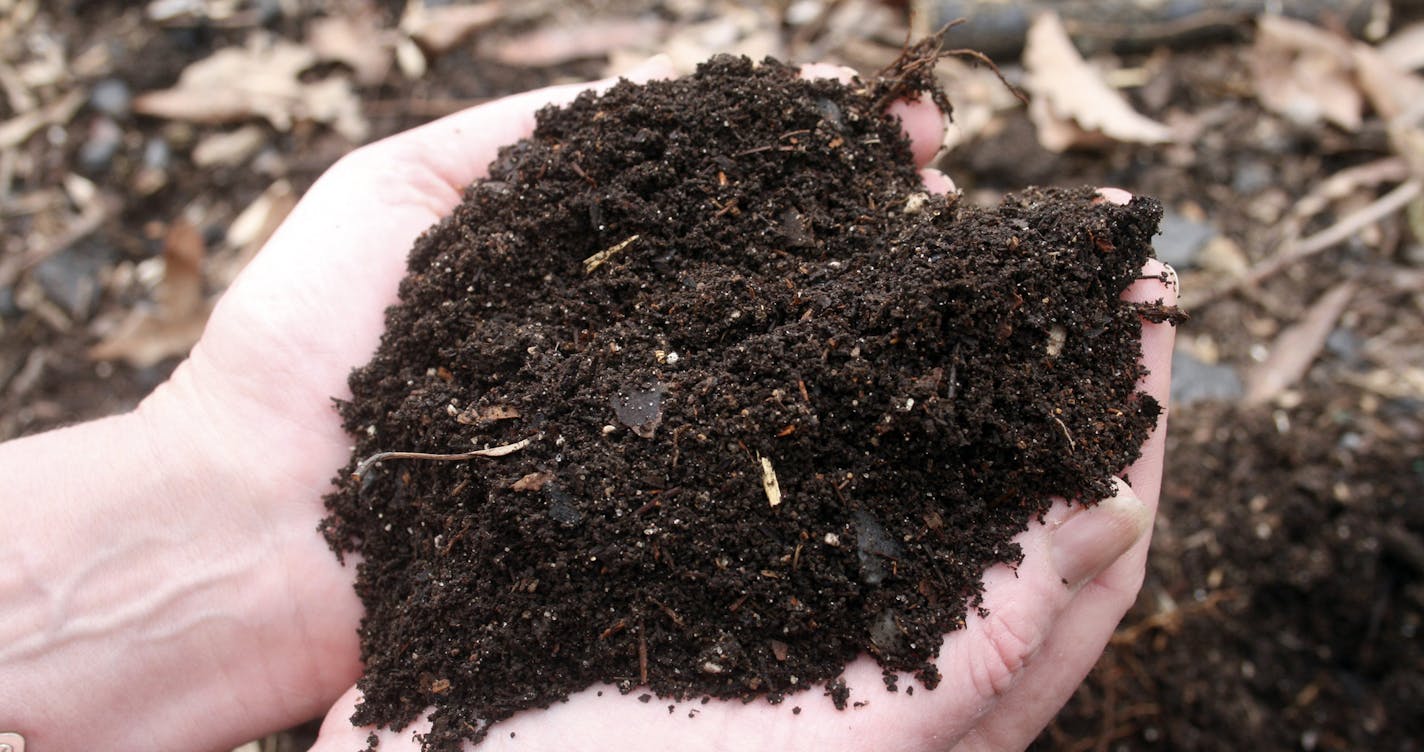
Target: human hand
[[179, 581], [1005, 674]]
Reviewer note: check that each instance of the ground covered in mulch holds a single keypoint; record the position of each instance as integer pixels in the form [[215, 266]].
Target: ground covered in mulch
[[1310, 641], [768, 404]]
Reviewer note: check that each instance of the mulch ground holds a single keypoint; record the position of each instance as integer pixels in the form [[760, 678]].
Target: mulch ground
[[1283, 601]]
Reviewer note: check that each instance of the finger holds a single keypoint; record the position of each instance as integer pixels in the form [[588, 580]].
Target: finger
[[1157, 341], [1115, 195], [1066, 657], [987, 658], [841, 73], [601, 718], [937, 182], [922, 121], [924, 124], [1086, 625]]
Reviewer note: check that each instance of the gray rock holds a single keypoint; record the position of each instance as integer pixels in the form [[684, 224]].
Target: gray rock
[[111, 97], [1195, 381], [157, 154], [8, 309], [1414, 254], [103, 142], [640, 407], [1181, 239], [875, 548], [1252, 177], [71, 279], [1345, 344]]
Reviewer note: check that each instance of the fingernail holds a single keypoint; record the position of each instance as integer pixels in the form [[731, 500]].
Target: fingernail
[[658, 66], [1173, 282], [1092, 538], [1113, 195]]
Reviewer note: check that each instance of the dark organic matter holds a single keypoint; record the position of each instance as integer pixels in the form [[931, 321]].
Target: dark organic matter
[[781, 409]]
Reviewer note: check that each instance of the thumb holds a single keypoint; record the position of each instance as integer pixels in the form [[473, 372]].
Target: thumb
[[1089, 539]]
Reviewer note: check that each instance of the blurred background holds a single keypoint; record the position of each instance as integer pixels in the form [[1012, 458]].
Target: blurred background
[[148, 149]]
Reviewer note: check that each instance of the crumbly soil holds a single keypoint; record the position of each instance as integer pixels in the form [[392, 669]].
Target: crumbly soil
[[766, 405]]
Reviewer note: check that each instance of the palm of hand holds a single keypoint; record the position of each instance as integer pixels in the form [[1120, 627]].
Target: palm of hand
[[310, 307]]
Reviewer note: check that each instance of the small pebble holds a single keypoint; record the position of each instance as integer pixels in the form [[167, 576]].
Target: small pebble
[[1196, 381], [1181, 239], [112, 97], [71, 278], [157, 154], [102, 143], [8, 309]]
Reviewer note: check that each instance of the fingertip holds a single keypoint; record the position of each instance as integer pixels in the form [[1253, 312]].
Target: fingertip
[[1115, 195], [1092, 538], [924, 124], [840, 73], [656, 68], [937, 182]]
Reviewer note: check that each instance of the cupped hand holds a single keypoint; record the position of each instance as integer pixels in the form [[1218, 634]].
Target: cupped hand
[[1005, 674], [281, 343]]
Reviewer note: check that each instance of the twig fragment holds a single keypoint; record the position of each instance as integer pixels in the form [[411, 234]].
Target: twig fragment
[[498, 451], [769, 482], [1348, 225], [598, 259]]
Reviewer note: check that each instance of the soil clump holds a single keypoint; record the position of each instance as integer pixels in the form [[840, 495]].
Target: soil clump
[[751, 403]]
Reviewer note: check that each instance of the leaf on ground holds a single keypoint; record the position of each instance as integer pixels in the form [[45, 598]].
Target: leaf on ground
[[355, 40], [1071, 104], [1391, 89], [1405, 48], [260, 79], [14, 131], [229, 148], [1304, 73], [554, 45], [170, 328], [250, 230], [979, 98], [1296, 347], [439, 28]]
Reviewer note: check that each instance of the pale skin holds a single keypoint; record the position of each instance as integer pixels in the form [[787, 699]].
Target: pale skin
[[162, 585]]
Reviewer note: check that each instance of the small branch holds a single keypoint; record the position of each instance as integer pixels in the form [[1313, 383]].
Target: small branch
[[598, 259], [769, 483], [1348, 225], [1072, 445], [498, 451]]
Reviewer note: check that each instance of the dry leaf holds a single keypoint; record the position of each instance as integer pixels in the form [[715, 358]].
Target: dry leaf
[[1071, 103], [1392, 90], [1405, 49], [1304, 73], [736, 31], [250, 230], [979, 98], [355, 41], [440, 28], [1296, 347], [149, 335], [14, 131], [553, 45], [260, 79], [228, 148], [410, 59], [532, 482]]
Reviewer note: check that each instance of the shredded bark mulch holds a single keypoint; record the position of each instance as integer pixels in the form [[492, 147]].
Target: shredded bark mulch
[[719, 398]]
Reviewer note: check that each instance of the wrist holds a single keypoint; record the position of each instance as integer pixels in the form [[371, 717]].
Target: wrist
[[142, 573]]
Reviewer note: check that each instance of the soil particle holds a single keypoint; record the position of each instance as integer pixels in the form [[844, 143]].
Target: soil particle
[[892, 370]]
